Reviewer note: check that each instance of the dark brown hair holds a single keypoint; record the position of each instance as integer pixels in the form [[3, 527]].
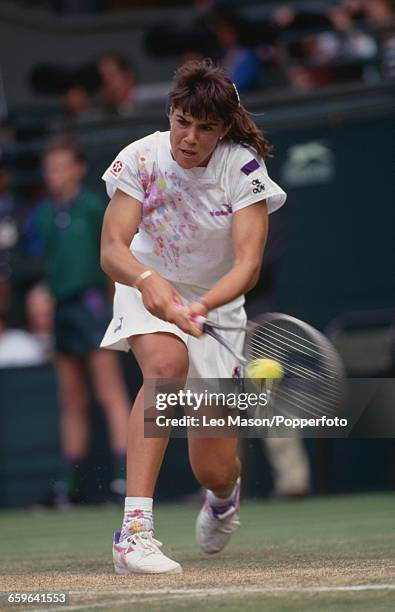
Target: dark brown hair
[[65, 143], [203, 89]]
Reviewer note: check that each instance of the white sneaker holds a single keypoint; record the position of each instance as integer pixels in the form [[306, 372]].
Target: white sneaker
[[214, 526], [140, 554]]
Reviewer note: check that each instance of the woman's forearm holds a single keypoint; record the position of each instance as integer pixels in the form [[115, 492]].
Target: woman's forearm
[[240, 279], [119, 263]]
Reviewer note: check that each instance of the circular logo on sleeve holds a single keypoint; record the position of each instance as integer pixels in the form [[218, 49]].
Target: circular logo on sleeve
[[116, 167]]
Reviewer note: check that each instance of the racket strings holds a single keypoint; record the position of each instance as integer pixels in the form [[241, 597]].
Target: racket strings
[[301, 347], [312, 382], [306, 403], [286, 360], [260, 349], [312, 401], [298, 336], [290, 342]]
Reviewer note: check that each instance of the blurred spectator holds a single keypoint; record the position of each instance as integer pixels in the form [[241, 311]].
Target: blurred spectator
[[120, 91], [239, 60], [292, 19], [40, 318], [18, 348], [354, 8], [9, 223], [12, 218], [326, 46], [351, 45], [304, 79], [75, 88], [118, 83], [379, 12], [388, 54], [68, 223], [300, 43], [380, 15]]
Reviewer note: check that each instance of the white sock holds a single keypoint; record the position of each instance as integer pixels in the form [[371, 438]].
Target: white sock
[[137, 516], [217, 502]]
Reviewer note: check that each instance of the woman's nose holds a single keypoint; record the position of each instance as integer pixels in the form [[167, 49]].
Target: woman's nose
[[191, 136]]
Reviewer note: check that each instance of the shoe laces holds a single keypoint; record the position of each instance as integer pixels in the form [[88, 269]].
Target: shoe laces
[[146, 541]]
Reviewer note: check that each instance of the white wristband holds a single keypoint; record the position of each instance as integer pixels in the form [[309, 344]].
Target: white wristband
[[142, 277]]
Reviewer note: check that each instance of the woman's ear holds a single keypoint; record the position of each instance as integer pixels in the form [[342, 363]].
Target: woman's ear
[[224, 132]]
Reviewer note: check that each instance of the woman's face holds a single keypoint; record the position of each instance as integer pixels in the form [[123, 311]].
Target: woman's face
[[193, 140]]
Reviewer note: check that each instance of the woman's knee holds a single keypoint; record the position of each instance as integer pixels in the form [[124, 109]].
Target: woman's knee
[[164, 366], [215, 479]]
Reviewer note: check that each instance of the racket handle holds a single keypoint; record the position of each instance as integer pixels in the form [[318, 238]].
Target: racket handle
[[199, 321]]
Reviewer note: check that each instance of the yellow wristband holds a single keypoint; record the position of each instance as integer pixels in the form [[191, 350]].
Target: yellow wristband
[[142, 277]]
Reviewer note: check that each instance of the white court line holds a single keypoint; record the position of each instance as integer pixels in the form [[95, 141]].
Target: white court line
[[153, 595]]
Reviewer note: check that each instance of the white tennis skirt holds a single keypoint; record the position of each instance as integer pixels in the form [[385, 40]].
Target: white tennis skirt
[[207, 358]]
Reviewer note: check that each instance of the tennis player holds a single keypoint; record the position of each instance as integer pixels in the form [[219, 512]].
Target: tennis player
[[199, 197]]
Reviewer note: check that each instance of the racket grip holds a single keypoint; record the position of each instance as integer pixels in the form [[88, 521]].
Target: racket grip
[[199, 321]]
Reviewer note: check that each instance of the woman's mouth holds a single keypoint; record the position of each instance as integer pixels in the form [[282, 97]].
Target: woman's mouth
[[187, 153]]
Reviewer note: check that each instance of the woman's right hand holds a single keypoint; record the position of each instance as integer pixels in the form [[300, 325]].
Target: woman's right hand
[[162, 300]]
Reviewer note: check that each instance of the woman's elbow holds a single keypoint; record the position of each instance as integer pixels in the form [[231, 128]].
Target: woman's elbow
[[254, 275], [253, 282], [105, 259]]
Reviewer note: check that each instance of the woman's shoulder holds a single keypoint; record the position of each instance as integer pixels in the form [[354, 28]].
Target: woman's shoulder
[[240, 158]]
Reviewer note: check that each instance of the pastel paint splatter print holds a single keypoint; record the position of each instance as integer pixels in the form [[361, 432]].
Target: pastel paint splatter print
[[161, 219]]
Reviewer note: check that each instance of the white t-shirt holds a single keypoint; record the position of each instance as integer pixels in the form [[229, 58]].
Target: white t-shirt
[[185, 231]]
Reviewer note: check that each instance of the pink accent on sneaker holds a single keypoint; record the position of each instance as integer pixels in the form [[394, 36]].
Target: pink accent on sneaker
[[123, 552]]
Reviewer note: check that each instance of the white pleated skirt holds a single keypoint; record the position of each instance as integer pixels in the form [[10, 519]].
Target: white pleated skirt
[[207, 358]]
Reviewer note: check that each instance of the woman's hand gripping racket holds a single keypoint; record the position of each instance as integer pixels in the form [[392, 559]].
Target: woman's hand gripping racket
[[296, 365]]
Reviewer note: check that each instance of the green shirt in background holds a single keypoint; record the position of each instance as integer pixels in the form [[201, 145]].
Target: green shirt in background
[[70, 234]]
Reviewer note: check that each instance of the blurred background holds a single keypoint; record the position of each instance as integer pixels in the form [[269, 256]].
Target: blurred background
[[318, 78]]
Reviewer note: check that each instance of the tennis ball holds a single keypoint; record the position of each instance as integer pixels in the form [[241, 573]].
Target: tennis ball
[[264, 368]]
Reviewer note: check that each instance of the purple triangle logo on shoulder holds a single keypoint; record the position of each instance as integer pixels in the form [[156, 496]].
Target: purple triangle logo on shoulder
[[250, 167]]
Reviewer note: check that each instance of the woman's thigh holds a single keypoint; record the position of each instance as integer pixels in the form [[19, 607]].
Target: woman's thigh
[[160, 355]]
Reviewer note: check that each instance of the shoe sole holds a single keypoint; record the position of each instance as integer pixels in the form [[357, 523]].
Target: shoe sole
[[122, 571]]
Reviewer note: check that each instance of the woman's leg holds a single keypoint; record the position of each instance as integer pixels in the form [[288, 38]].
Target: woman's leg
[[217, 468], [159, 355], [215, 463]]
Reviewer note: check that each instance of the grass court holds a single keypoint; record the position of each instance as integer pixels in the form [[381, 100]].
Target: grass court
[[332, 553]]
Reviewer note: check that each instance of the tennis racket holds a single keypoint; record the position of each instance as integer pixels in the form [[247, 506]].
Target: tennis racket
[[313, 381]]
